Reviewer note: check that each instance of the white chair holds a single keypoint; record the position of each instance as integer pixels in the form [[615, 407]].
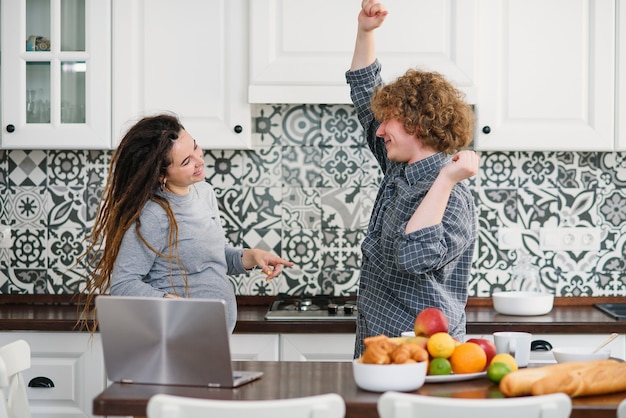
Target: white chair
[[407, 405], [14, 359], [621, 409], [330, 405]]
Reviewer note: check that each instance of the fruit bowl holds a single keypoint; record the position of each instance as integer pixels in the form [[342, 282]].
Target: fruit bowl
[[522, 303], [566, 354], [385, 377]]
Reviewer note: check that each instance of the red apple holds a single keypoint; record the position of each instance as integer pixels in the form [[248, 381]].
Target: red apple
[[430, 321], [487, 345]]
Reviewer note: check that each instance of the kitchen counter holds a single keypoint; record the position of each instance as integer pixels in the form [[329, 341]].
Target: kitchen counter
[[569, 316], [282, 380]]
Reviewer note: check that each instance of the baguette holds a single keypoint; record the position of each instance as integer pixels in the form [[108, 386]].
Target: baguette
[[521, 382], [601, 378]]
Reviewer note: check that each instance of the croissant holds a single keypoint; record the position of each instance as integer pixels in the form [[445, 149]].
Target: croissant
[[408, 353], [378, 350]]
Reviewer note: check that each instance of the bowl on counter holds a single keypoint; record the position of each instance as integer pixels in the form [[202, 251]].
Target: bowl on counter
[[567, 354], [522, 303], [385, 377]]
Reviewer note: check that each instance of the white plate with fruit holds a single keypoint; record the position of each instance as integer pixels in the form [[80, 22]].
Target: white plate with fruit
[[449, 359], [453, 377], [429, 355]]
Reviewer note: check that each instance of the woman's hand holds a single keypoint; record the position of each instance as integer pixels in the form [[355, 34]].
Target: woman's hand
[[269, 263]]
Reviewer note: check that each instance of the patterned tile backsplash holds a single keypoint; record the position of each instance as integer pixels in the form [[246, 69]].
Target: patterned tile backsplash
[[305, 191]]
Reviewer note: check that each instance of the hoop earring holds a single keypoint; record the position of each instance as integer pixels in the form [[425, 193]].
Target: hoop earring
[[163, 186]]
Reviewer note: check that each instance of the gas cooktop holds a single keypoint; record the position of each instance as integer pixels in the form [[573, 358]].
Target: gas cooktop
[[311, 307]]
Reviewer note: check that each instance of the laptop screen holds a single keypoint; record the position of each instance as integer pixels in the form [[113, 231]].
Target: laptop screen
[[165, 341]]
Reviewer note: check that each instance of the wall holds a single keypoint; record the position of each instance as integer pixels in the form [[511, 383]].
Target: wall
[[305, 191]]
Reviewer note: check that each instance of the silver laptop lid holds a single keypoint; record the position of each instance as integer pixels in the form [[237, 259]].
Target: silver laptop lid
[[165, 341]]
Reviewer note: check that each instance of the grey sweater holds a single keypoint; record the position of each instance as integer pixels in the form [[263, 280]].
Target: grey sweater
[[202, 249]]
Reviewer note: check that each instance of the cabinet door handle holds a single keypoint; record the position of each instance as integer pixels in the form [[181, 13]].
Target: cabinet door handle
[[40, 382], [10, 128], [540, 345], [238, 129], [486, 129]]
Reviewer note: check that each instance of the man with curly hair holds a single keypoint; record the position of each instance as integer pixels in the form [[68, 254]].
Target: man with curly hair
[[420, 240]]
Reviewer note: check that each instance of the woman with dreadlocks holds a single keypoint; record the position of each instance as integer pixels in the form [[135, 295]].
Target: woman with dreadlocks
[[158, 231]]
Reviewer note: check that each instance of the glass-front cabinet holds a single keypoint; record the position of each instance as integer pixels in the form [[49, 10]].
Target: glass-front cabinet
[[56, 74]]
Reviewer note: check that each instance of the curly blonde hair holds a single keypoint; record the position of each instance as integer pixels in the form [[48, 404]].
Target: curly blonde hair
[[429, 107]]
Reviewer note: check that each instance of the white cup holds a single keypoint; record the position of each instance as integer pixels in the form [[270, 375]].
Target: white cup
[[408, 334], [514, 343]]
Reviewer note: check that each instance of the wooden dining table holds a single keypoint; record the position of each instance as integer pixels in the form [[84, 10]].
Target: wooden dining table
[[283, 380]]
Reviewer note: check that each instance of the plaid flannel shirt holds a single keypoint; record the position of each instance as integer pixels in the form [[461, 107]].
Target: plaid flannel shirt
[[403, 273]]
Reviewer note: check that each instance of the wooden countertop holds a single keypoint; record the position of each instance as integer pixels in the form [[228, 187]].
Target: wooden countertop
[[282, 380], [569, 316]]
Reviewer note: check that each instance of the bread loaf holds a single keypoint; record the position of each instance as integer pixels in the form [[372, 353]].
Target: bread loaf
[[602, 378], [523, 381]]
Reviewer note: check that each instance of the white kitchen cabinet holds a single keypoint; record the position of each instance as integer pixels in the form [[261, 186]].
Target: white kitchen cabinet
[[546, 75], [188, 57], [620, 128], [617, 346], [72, 362], [292, 347], [317, 347], [56, 74], [259, 347], [299, 52]]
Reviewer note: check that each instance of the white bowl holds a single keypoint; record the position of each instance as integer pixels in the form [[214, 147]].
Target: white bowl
[[385, 377], [522, 303], [565, 354]]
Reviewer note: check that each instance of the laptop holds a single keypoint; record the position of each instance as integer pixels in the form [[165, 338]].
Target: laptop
[[167, 342]]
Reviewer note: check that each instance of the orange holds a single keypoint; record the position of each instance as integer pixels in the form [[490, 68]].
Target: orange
[[468, 358], [441, 344], [505, 358]]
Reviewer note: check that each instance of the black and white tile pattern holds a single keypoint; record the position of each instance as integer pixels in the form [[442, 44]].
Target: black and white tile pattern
[[305, 191]]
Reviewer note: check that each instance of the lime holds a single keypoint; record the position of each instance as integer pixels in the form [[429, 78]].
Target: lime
[[439, 366], [497, 371], [505, 358]]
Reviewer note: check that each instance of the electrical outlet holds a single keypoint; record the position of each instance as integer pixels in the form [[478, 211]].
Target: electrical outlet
[[510, 238], [570, 239], [5, 237]]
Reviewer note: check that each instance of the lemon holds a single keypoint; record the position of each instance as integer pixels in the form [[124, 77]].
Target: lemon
[[497, 371], [441, 344], [439, 366], [505, 358]]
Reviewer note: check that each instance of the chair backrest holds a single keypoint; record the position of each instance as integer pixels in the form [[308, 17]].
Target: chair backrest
[[14, 359], [329, 405], [406, 405], [621, 409]]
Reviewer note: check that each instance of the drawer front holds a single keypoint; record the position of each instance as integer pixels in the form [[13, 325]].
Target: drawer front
[[260, 347], [317, 347], [60, 372], [70, 361]]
